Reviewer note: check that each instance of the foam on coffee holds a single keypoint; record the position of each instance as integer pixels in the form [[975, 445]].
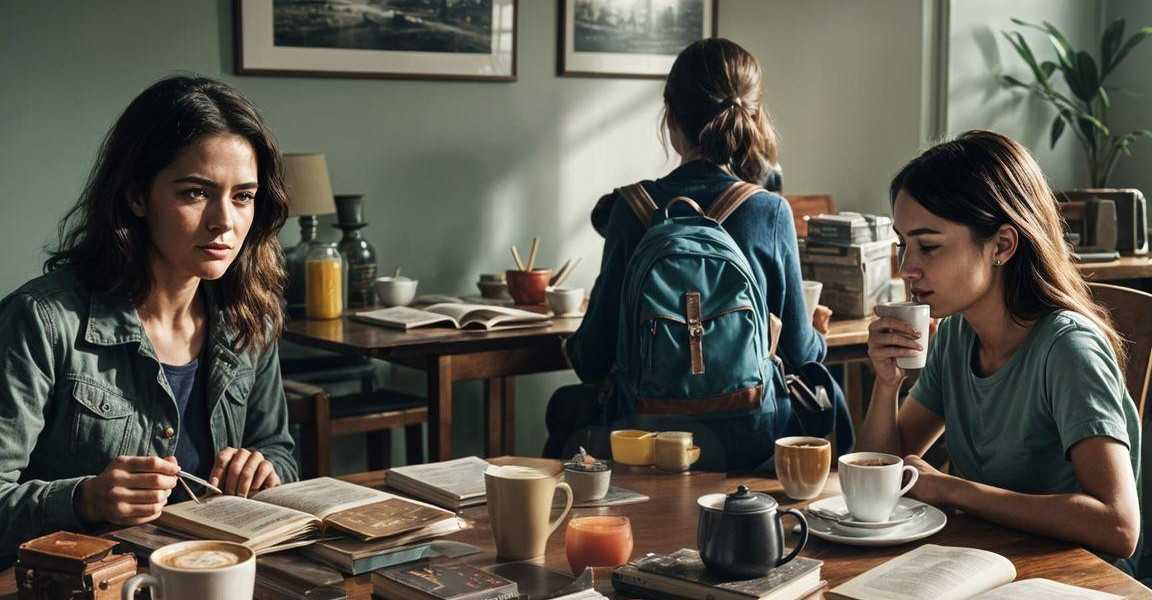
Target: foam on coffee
[[198, 559], [516, 472]]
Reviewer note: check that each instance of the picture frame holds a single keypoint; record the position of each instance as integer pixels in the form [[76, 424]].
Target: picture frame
[[622, 38], [420, 39]]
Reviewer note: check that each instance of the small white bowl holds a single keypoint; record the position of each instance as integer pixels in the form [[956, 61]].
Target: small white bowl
[[396, 291], [566, 301]]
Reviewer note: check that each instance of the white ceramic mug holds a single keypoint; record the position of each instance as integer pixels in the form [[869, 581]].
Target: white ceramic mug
[[812, 291], [566, 301], [916, 315], [871, 483], [197, 570], [396, 291]]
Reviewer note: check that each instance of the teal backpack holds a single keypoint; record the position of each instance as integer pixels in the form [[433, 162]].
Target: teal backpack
[[694, 335]]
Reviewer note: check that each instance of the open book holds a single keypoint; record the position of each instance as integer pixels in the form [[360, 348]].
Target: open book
[[287, 515], [951, 573], [453, 484], [460, 316]]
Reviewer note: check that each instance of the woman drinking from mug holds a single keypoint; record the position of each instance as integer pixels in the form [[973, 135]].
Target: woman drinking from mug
[[149, 345], [719, 127], [1024, 374]]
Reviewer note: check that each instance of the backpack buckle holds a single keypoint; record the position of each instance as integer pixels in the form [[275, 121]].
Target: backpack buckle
[[696, 329]]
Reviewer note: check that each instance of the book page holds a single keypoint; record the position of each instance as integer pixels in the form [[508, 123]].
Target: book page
[[484, 313], [242, 518], [404, 317], [1043, 589], [322, 496], [931, 571]]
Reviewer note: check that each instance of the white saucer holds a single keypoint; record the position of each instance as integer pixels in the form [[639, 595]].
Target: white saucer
[[570, 315], [922, 526], [900, 515]]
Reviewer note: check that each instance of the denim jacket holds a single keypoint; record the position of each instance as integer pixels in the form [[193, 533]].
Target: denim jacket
[[82, 384]]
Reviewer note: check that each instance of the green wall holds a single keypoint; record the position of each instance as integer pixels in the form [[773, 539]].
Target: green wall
[[455, 172], [1134, 110]]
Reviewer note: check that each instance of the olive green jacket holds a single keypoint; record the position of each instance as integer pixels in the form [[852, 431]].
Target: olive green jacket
[[82, 384]]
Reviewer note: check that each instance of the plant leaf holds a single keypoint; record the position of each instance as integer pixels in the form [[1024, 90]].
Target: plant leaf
[[1064, 50], [1087, 82], [1013, 82], [1057, 131], [1105, 98], [1025, 52], [1110, 41], [1132, 42], [1047, 67]]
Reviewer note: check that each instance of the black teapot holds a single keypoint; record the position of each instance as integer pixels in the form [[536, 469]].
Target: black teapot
[[741, 536]]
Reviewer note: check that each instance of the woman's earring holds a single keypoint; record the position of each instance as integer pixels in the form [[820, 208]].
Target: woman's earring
[[997, 263]]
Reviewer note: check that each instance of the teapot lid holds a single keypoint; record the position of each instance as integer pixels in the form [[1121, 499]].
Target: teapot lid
[[742, 501]]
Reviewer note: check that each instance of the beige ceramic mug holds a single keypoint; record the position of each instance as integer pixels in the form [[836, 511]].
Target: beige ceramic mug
[[673, 451], [519, 505], [802, 465], [197, 570]]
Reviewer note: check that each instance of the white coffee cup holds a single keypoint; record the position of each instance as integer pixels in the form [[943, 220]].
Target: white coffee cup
[[197, 570], [812, 291], [871, 483], [566, 301], [917, 315], [396, 291]]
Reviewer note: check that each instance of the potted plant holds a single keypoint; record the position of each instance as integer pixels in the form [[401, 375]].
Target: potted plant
[[1084, 110]]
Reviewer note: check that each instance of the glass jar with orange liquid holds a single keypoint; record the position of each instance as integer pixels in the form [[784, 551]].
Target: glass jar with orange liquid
[[599, 541], [325, 275]]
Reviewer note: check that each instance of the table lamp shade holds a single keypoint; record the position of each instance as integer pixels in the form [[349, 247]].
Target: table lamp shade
[[309, 189]]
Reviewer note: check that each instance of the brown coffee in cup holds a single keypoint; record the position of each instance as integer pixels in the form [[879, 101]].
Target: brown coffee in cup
[[202, 558], [802, 465], [872, 462]]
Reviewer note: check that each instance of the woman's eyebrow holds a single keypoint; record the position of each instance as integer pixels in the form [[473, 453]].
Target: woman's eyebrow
[[918, 231], [204, 181]]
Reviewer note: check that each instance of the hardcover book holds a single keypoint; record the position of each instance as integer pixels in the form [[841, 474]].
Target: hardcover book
[[682, 575], [435, 581]]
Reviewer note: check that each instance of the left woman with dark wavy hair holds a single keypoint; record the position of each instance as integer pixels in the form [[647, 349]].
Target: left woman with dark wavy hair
[[149, 346]]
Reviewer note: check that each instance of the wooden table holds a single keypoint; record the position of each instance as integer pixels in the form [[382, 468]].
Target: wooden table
[[449, 355], [668, 522], [1124, 268]]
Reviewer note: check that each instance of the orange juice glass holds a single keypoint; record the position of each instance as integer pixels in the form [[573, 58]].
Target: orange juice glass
[[598, 542], [323, 283]]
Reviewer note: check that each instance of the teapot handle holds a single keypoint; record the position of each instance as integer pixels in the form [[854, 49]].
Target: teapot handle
[[803, 533]]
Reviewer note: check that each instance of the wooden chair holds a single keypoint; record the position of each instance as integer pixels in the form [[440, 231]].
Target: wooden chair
[[1132, 316], [374, 413], [808, 205]]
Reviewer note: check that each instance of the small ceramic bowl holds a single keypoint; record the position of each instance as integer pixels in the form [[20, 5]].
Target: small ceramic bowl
[[493, 289], [633, 447], [396, 291], [492, 277], [527, 287], [566, 301], [587, 484]]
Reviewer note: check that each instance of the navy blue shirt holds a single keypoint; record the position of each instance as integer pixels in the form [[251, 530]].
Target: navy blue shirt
[[762, 228], [194, 444]]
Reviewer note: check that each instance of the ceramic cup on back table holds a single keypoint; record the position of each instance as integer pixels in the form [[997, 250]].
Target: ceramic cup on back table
[[871, 483], [673, 451], [802, 465]]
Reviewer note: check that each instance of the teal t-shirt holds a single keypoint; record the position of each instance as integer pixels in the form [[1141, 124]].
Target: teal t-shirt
[[1014, 428]]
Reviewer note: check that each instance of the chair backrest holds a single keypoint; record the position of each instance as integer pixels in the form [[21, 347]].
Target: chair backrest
[[1132, 316], [809, 205]]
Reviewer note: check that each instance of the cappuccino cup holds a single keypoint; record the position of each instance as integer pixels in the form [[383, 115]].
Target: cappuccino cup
[[519, 504], [802, 465], [871, 484], [197, 570], [916, 315]]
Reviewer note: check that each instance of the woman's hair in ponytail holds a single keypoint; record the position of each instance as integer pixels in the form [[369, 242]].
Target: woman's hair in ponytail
[[712, 97]]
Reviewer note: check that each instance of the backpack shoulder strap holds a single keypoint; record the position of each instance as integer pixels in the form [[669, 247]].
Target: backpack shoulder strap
[[639, 201], [731, 199]]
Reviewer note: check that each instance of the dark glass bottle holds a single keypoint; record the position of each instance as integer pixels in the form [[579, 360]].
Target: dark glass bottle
[[358, 253]]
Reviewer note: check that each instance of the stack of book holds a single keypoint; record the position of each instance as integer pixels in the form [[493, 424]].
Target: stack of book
[[849, 228], [452, 484], [682, 576]]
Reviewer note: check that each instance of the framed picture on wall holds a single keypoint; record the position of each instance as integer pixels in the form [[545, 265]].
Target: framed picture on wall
[[402, 39], [629, 38]]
